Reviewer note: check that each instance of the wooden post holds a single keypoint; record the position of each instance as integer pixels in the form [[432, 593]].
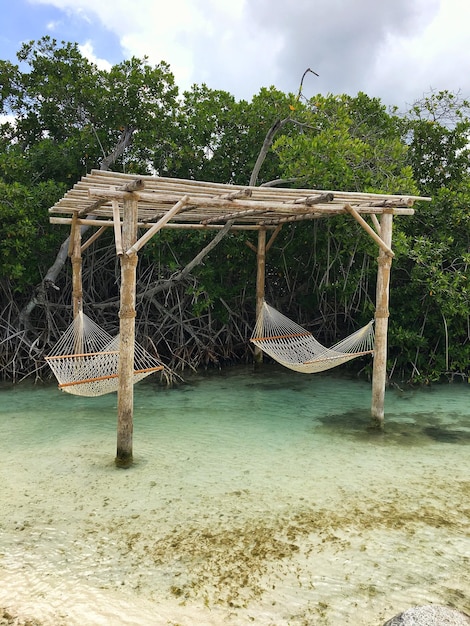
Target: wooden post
[[127, 314], [117, 228], [379, 374], [75, 254], [260, 283], [76, 258]]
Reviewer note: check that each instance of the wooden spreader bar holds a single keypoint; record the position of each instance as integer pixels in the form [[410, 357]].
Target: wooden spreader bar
[[306, 334], [83, 354], [108, 377]]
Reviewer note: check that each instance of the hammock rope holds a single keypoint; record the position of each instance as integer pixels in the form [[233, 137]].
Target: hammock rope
[[85, 360], [296, 348]]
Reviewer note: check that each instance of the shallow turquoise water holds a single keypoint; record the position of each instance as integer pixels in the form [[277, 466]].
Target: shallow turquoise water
[[254, 497]]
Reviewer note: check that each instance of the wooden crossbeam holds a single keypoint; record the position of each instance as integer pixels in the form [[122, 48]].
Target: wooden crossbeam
[[235, 195]]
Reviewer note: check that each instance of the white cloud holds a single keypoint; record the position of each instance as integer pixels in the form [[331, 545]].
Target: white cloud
[[53, 26], [7, 119], [433, 58], [395, 50], [87, 50]]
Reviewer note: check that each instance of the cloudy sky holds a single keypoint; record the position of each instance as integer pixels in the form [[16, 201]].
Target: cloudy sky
[[396, 50]]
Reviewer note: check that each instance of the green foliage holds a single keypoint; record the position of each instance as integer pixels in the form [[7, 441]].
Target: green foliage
[[206, 126], [438, 132], [27, 243], [69, 115], [63, 116], [218, 139], [351, 144], [430, 289]]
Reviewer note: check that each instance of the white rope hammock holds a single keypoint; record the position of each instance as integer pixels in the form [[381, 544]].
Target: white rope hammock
[[296, 348], [85, 360]]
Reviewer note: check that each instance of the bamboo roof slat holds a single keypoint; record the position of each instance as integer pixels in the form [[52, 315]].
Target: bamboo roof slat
[[212, 204], [309, 200]]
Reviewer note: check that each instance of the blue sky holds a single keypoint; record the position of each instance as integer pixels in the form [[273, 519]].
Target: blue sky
[[24, 21], [396, 50]]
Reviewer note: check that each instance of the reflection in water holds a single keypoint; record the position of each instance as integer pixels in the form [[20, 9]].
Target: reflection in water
[[255, 498]]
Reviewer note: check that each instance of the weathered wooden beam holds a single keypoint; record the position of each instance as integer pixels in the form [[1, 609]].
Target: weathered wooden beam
[[117, 228], [289, 219], [389, 203], [132, 185], [379, 371], [312, 200], [271, 240], [376, 223], [92, 207], [273, 236], [72, 239], [77, 288], [93, 237], [241, 193], [369, 230], [158, 226], [260, 283], [125, 427], [176, 226], [232, 216]]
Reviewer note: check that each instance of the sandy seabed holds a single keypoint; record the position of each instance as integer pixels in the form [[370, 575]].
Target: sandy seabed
[[252, 500]]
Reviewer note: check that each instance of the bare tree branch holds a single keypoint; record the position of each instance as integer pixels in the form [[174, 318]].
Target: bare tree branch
[[275, 128], [167, 284], [267, 143], [124, 142]]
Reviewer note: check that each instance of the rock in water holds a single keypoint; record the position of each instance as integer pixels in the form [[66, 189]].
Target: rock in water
[[432, 615]]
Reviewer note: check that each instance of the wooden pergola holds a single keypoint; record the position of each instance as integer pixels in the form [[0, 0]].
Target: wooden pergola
[[137, 207]]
